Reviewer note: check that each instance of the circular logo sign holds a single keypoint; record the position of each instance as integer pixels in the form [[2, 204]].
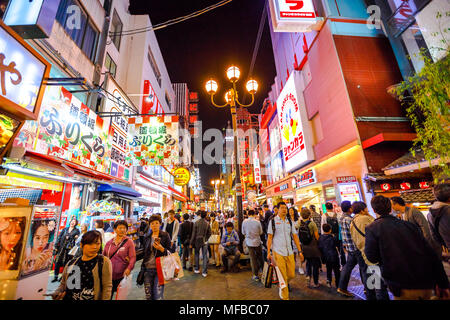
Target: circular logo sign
[[181, 176]]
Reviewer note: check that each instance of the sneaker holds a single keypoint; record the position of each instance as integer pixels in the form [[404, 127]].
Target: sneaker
[[196, 271], [301, 271], [55, 280], [204, 275], [328, 284], [316, 285], [255, 278], [345, 293]]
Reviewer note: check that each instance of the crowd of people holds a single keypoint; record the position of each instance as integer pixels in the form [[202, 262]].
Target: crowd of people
[[401, 250]]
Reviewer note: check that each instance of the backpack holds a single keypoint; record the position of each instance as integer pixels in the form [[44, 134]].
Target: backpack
[[304, 233], [334, 225], [435, 228]]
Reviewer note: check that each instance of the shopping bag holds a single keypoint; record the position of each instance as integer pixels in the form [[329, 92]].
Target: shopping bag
[[167, 268], [124, 288], [281, 281], [178, 266], [214, 239], [267, 275]]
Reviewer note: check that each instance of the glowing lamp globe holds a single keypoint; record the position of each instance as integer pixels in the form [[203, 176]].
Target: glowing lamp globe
[[211, 87], [233, 73], [252, 86]]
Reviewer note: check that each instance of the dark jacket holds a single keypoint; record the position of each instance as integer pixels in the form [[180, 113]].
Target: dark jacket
[[441, 236], [200, 233], [328, 246], [416, 217], [66, 239], [266, 220], [406, 259], [165, 242], [186, 232]]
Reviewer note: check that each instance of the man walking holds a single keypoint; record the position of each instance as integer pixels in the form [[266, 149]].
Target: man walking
[[252, 230], [357, 229], [199, 240], [408, 264], [280, 233], [416, 217], [185, 239], [354, 256]]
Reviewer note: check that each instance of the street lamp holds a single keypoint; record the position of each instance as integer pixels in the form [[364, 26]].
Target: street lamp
[[231, 98]]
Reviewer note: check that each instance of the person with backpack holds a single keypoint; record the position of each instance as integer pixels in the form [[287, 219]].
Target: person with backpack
[[122, 253], [280, 232], [328, 246], [94, 271], [439, 217], [199, 241], [333, 220], [308, 234], [358, 226]]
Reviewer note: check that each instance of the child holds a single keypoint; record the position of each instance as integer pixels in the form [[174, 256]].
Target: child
[[328, 246]]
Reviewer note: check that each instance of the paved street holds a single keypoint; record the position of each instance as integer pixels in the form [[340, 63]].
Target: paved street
[[232, 286]]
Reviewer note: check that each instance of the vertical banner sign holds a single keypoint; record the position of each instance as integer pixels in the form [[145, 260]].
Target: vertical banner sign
[[67, 129], [150, 102], [295, 129], [256, 167], [153, 140], [118, 133]]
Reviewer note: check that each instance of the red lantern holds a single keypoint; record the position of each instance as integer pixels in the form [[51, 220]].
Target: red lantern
[[386, 187], [424, 185], [405, 186]]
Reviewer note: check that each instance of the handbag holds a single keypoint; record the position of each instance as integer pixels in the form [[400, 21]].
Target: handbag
[[267, 275], [214, 239], [140, 277]]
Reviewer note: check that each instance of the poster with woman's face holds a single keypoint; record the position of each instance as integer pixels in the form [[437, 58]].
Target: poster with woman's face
[[14, 223], [41, 239]]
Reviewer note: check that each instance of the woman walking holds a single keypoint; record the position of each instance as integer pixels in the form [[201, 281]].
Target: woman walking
[[94, 273], [214, 240], [122, 253], [65, 243], [156, 244]]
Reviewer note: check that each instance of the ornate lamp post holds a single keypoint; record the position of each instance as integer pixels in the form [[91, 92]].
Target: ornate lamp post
[[231, 97]]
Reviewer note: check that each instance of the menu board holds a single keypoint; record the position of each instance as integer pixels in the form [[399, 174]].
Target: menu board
[[349, 192]]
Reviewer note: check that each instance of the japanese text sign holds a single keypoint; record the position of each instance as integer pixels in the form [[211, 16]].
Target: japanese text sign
[[153, 140]]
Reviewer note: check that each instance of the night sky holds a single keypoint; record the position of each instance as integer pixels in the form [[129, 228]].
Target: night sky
[[203, 47]]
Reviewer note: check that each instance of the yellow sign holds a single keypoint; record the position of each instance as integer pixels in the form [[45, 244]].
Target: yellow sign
[[21, 180], [181, 176]]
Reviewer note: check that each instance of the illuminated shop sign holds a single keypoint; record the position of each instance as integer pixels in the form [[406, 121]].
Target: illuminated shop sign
[[294, 16], [295, 129], [306, 178], [22, 71], [256, 167]]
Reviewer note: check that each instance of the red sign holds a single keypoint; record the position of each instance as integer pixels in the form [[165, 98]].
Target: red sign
[[346, 179], [386, 187], [405, 186]]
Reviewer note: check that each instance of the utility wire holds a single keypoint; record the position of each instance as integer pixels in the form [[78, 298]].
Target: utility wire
[[256, 47], [171, 21]]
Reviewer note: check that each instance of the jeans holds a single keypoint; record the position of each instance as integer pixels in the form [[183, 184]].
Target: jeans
[[313, 266], [342, 253], [204, 249], [354, 258], [255, 259], [153, 291], [333, 267], [237, 257]]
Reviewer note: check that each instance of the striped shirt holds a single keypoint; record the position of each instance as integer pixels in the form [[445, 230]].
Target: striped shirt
[[347, 241]]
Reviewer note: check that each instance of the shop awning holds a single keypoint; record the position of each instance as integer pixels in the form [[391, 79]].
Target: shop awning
[[381, 176], [118, 188], [178, 195], [418, 196], [409, 162]]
